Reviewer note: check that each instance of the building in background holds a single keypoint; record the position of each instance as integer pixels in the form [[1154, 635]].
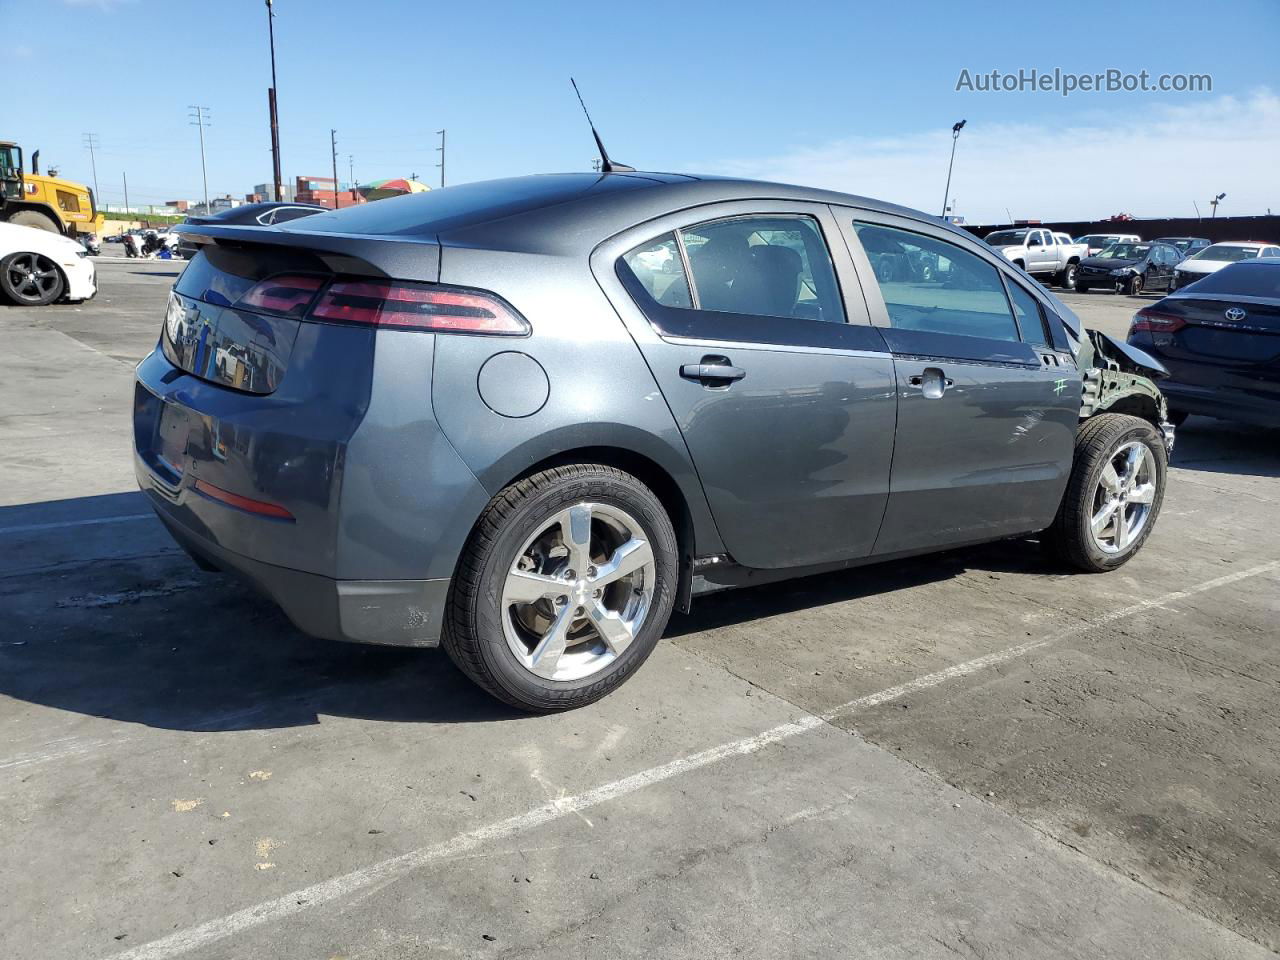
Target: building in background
[[326, 192], [287, 192]]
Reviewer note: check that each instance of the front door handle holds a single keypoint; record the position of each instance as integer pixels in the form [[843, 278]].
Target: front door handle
[[932, 382], [712, 372]]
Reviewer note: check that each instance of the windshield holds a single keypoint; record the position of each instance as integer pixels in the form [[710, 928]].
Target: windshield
[[1227, 252], [1096, 239], [9, 162], [1125, 251], [1006, 238], [1242, 279]]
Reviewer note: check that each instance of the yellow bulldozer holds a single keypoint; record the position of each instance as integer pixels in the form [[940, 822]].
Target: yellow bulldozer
[[41, 201]]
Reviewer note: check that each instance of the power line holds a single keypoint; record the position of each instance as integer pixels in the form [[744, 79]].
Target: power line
[[91, 141], [201, 119]]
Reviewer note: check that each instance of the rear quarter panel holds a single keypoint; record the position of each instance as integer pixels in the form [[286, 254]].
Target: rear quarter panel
[[601, 393]]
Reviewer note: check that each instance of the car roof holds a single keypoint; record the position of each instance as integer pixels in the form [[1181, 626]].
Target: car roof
[[610, 202]]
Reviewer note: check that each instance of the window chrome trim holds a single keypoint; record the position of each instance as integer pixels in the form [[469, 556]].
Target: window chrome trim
[[777, 347]]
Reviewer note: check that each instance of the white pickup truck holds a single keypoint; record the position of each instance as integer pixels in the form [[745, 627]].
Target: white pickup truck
[[1041, 252]]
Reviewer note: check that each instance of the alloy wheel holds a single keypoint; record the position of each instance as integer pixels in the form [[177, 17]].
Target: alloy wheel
[[1123, 497], [578, 592], [31, 277]]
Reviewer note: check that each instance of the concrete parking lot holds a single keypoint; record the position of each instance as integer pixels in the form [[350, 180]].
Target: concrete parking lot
[[975, 755]]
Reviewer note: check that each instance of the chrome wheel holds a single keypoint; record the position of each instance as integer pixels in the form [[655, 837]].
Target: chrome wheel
[[578, 592], [31, 277], [1123, 498]]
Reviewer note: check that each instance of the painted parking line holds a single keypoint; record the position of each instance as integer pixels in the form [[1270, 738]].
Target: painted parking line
[[66, 524], [386, 871]]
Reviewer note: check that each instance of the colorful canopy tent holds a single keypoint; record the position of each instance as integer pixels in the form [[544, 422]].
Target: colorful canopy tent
[[381, 189]]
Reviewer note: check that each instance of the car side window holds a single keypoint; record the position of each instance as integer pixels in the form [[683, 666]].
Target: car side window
[[1030, 315], [659, 268], [935, 286], [763, 266]]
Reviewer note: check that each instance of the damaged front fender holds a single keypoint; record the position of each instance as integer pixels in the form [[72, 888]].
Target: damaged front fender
[[1120, 378]]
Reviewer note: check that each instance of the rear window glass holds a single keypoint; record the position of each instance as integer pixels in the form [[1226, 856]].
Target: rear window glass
[[467, 203], [1226, 251], [222, 276], [1242, 279]]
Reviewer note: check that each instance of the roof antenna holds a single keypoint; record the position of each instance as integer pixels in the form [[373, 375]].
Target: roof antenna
[[606, 165]]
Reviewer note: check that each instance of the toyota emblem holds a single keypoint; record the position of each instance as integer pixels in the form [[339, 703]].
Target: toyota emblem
[[1235, 314]]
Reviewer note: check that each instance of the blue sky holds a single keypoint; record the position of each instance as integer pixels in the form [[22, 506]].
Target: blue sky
[[855, 96]]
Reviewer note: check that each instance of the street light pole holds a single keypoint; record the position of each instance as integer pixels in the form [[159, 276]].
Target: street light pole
[[1214, 204], [955, 135], [271, 106]]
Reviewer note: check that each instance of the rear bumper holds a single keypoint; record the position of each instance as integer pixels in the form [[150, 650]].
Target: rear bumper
[[1221, 403], [407, 613]]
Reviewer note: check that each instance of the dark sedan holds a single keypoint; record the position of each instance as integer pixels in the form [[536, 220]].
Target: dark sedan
[[1187, 246], [249, 214], [1220, 340], [1129, 268]]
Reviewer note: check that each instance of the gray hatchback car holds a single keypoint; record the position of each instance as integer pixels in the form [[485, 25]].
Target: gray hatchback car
[[528, 418]]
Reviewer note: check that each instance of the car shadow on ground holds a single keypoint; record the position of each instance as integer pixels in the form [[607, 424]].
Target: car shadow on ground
[[1206, 445], [133, 632]]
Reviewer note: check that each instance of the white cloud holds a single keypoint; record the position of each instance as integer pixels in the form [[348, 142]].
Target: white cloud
[[1148, 162]]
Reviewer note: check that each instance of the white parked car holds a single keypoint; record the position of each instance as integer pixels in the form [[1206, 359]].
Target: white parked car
[[1215, 257], [1097, 242], [39, 267]]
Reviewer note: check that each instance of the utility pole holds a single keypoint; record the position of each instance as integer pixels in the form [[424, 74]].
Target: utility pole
[[440, 150], [126, 191], [200, 118], [333, 142], [955, 135], [91, 141], [278, 183], [351, 175]]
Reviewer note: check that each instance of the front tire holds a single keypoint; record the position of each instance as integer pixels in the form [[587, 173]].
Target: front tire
[[31, 279], [564, 588], [1067, 279], [1114, 494], [33, 218]]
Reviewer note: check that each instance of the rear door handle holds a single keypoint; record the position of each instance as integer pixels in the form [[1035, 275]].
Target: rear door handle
[[712, 372]]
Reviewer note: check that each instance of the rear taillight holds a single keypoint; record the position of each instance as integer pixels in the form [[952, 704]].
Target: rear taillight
[[1152, 320], [287, 294], [413, 306]]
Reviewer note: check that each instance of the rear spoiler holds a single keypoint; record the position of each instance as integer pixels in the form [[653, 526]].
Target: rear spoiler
[[399, 258]]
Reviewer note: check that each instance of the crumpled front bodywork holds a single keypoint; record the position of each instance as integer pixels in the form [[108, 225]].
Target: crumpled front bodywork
[[1119, 378]]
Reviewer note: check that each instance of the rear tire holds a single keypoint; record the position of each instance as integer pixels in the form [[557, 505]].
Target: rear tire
[[547, 653], [33, 218], [1107, 513]]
